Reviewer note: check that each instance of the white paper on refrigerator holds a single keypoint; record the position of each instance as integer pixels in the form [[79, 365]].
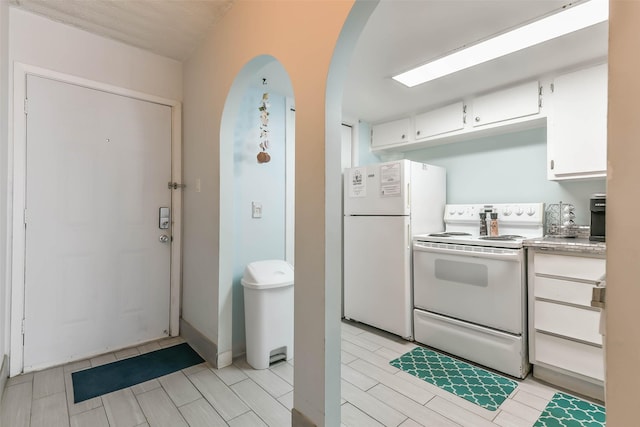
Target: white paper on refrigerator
[[357, 182], [390, 180]]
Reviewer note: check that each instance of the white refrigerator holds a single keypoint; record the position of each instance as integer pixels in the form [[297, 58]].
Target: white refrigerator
[[384, 206]]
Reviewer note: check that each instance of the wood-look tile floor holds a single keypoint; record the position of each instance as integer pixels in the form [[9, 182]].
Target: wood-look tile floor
[[374, 393]]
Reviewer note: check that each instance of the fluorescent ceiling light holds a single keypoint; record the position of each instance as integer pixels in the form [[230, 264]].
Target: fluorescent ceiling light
[[575, 18]]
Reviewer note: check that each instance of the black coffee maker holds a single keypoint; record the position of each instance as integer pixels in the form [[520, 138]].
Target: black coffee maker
[[598, 206]]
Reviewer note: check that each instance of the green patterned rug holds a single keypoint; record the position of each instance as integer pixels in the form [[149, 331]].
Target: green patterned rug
[[469, 382], [569, 411]]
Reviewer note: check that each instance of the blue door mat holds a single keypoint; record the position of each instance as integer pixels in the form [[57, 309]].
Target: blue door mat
[[125, 373], [569, 411], [469, 382]]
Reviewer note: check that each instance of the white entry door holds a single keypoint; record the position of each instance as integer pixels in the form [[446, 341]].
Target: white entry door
[[97, 276]]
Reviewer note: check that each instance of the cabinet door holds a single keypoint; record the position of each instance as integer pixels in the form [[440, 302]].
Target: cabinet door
[[395, 132], [514, 102], [577, 126], [439, 121]]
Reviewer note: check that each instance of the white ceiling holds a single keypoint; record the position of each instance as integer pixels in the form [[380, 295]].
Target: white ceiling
[[171, 28], [399, 35], [404, 33]]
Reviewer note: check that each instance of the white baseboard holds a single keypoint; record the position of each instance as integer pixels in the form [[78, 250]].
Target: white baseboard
[[225, 359], [206, 348], [298, 419], [570, 383]]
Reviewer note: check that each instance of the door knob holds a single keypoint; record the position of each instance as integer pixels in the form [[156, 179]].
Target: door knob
[[164, 238]]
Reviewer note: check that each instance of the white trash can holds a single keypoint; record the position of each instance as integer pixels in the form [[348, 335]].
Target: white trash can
[[268, 312]]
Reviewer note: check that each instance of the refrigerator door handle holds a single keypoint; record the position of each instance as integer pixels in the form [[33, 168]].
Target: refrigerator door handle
[[408, 236], [409, 196]]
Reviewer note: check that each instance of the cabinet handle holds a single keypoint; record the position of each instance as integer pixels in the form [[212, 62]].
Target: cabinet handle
[[552, 164], [418, 133], [403, 136], [477, 119]]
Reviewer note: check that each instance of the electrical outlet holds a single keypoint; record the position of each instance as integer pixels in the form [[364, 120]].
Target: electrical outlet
[[256, 210]]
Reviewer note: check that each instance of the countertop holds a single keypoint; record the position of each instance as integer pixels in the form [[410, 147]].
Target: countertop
[[567, 244]]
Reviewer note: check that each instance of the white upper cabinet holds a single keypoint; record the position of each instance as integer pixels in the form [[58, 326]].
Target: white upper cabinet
[[507, 110], [577, 125], [440, 121], [390, 133], [507, 104]]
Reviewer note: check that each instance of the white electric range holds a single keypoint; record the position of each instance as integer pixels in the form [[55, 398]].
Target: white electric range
[[470, 290]]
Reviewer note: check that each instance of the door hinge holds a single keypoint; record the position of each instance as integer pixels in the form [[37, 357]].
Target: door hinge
[[175, 185], [24, 216], [540, 97], [26, 106], [22, 327], [552, 87]]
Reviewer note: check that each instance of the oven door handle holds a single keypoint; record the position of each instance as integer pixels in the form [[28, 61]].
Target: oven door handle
[[476, 252]]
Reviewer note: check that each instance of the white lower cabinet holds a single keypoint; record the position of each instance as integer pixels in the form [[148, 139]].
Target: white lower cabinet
[[569, 355], [568, 321], [565, 344]]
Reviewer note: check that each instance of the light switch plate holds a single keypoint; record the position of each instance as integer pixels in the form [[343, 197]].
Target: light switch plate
[[256, 210]]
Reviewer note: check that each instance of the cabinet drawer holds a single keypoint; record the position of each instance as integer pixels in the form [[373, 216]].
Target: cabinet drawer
[[570, 355], [563, 290], [569, 321], [574, 267]]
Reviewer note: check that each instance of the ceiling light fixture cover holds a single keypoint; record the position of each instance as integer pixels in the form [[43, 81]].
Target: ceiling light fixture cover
[[575, 18]]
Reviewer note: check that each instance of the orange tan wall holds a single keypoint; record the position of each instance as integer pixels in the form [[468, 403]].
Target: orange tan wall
[[623, 227], [302, 36]]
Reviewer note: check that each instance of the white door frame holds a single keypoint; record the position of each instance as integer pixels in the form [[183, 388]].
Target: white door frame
[[355, 139], [290, 165], [17, 198]]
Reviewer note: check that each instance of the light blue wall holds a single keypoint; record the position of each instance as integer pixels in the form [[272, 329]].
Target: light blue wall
[[506, 168], [366, 157], [264, 238]]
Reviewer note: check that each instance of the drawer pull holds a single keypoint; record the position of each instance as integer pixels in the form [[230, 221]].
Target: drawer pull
[[598, 297]]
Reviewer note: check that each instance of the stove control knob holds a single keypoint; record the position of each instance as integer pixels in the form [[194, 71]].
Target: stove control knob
[[531, 211], [506, 211], [519, 211], [460, 211]]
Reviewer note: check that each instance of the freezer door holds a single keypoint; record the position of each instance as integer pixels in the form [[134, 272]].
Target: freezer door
[[428, 197], [380, 189], [377, 287]]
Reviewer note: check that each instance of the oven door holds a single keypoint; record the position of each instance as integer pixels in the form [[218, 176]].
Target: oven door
[[481, 285]]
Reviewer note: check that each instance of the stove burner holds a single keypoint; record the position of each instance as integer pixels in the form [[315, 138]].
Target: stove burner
[[502, 237], [450, 234]]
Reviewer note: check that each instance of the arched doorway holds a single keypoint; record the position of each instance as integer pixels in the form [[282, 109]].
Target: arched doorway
[[257, 204]]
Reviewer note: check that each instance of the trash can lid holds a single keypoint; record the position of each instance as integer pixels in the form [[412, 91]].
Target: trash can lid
[[267, 274]]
